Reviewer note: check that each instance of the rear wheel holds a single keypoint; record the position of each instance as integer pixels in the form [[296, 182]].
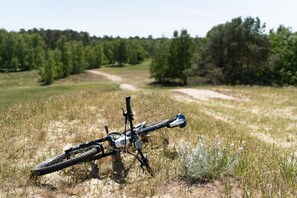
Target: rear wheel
[[64, 160]]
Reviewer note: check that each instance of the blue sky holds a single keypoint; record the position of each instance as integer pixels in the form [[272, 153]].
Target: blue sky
[[141, 17]]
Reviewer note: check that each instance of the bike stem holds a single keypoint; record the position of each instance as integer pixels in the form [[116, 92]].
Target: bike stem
[[129, 115]]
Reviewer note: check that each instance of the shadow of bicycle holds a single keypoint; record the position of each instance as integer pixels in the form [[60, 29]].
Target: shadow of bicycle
[[120, 172]]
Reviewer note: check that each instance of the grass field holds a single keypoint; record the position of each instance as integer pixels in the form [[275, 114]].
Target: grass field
[[24, 86], [37, 122]]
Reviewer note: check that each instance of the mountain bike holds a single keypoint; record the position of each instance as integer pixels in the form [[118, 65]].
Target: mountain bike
[[113, 144]]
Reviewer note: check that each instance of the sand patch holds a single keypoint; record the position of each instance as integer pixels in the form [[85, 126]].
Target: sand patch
[[203, 94], [128, 87], [265, 137]]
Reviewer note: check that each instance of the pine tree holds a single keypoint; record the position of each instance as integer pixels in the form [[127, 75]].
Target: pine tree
[[180, 55]]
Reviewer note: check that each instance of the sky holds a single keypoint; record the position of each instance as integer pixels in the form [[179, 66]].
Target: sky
[[142, 18]]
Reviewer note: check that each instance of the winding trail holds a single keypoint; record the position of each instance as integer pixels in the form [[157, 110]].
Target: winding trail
[[116, 79], [189, 93]]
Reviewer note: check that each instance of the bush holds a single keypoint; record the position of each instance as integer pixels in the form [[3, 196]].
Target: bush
[[202, 163]]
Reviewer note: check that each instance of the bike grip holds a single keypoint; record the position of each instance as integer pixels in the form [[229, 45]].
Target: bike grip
[[128, 104]]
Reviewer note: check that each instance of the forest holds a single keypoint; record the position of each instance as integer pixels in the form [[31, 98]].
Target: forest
[[238, 52]]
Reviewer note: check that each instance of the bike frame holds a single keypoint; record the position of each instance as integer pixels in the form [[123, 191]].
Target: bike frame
[[141, 132], [116, 143]]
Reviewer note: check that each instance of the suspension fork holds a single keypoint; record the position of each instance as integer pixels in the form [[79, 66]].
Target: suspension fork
[[137, 143]]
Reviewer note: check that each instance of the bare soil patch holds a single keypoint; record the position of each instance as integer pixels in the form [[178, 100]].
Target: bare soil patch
[[203, 94], [130, 87]]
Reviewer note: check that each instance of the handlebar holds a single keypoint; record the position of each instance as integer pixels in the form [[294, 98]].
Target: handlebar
[[178, 121]]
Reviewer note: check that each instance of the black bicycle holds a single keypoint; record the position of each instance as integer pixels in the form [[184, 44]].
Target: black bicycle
[[112, 144]]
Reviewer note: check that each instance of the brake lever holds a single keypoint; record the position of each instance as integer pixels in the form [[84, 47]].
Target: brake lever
[[124, 113]]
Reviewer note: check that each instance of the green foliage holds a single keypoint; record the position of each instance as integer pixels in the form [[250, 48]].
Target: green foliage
[[120, 52], [94, 56], [136, 53], [66, 56], [78, 58], [204, 163], [284, 56], [159, 68], [240, 49], [20, 52], [47, 73], [108, 49], [237, 52], [178, 57]]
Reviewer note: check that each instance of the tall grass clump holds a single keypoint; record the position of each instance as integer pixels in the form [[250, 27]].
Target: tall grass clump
[[288, 167], [204, 163]]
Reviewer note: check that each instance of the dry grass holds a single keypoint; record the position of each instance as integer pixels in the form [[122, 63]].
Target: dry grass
[[33, 131]]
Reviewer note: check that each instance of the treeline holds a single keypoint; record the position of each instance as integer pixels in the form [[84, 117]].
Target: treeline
[[58, 54], [237, 52]]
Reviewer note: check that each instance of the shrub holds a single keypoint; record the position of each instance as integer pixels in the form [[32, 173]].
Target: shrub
[[205, 163]]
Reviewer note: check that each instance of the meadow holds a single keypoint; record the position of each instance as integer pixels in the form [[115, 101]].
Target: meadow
[[37, 122]]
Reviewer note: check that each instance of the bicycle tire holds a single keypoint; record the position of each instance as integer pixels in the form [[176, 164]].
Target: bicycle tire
[[62, 161]]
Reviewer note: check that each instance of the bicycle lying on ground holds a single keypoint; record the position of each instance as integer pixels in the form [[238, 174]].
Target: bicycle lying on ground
[[116, 143]]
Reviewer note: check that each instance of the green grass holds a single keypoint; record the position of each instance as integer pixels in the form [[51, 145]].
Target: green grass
[[140, 67], [23, 87], [38, 122], [18, 79], [137, 75], [19, 95]]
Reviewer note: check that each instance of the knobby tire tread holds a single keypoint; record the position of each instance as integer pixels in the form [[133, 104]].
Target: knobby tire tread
[[64, 164]]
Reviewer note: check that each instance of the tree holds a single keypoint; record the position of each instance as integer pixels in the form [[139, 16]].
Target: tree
[[284, 56], [203, 69], [108, 49], [78, 54], [9, 51], [180, 55], [94, 55], [120, 53], [159, 68], [23, 52], [37, 49], [136, 53], [66, 60], [240, 48], [47, 73], [58, 69]]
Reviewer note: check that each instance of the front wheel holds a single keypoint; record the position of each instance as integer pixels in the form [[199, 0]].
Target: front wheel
[[64, 160]]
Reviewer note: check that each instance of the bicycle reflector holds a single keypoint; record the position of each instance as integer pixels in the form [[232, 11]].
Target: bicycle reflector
[[180, 120]]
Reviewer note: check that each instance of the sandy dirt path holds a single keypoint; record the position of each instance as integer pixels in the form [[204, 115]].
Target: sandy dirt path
[[116, 79], [113, 78], [194, 93]]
